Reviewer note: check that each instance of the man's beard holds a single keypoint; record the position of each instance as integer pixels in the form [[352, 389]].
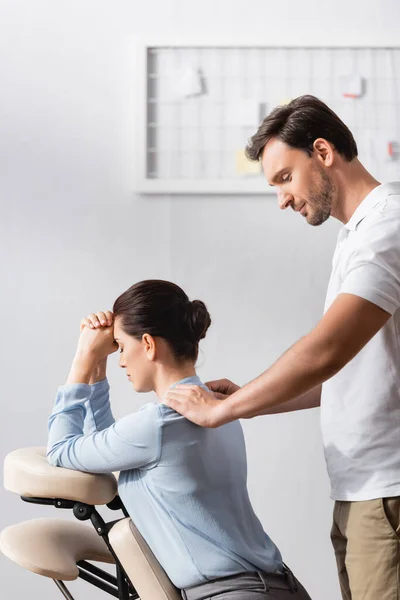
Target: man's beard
[[320, 199]]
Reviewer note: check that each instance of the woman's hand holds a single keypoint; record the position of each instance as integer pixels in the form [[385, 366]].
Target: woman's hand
[[94, 320], [97, 336], [100, 319], [95, 343]]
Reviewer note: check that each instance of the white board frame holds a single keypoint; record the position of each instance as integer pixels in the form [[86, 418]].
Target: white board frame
[[245, 186]]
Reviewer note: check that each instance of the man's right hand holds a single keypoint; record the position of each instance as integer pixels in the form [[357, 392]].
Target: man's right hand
[[222, 388]]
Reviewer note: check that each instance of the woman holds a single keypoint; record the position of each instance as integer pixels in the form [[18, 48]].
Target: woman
[[183, 485]]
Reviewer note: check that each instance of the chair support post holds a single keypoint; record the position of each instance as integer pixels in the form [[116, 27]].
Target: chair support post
[[63, 589]]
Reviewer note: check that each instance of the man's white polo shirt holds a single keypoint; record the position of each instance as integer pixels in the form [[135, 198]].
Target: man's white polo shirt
[[360, 406]]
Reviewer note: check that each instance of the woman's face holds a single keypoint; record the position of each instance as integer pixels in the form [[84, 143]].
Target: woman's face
[[135, 358]]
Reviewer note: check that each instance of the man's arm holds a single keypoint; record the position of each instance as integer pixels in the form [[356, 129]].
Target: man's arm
[[344, 330], [310, 399], [223, 388]]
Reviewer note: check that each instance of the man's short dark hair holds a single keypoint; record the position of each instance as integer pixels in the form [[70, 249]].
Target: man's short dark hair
[[298, 124]]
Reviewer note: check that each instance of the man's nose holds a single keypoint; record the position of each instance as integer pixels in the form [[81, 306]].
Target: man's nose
[[121, 363], [285, 200]]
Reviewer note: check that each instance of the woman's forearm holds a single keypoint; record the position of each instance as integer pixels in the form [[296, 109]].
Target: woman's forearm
[[99, 372], [82, 368]]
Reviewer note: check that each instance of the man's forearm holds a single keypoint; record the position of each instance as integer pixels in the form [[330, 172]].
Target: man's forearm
[[305, 366], [311, 399], [346, 327]]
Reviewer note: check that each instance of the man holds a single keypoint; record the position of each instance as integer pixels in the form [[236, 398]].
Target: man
[[350, 362]]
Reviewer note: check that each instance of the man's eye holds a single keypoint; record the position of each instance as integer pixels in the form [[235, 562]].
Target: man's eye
[[120, 350], [286, 178]]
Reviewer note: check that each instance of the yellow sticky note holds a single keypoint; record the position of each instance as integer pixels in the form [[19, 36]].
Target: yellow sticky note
[[285, 101], [244, 166]]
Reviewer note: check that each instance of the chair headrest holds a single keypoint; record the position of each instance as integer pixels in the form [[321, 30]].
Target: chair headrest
[[28, 473]]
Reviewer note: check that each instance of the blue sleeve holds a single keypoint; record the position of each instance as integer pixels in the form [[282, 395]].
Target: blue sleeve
[[130, 443], [98, 410]]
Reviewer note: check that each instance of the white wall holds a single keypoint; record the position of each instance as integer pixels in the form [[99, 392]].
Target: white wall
[[74, 235]]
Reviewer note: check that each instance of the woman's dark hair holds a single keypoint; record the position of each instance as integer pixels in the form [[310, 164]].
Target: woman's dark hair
[[299, 124], [161, 308]]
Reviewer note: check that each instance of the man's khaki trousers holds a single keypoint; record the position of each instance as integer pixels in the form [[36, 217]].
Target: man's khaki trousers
[[366, 539]]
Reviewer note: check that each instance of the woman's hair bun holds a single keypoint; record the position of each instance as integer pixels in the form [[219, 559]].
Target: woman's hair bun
[[199, 319]]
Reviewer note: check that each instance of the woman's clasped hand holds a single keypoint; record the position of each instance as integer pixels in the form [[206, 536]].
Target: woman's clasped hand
[[97, 335]]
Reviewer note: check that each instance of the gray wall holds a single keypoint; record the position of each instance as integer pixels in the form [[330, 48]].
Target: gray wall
[[74, 235]]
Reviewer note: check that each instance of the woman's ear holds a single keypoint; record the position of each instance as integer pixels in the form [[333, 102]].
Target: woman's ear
[[324, 151], [149, 346]]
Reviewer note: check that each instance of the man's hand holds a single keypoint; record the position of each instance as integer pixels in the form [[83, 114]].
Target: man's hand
[[222, 388], [196, 404]]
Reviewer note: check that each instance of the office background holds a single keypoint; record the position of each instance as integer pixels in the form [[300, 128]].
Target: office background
[[74, 233]]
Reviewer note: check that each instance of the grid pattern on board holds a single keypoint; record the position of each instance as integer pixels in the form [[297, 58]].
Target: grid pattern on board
[[204, 103]]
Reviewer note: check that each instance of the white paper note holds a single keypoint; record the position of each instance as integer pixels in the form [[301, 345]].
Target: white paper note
[[190, 83], [351, 86]]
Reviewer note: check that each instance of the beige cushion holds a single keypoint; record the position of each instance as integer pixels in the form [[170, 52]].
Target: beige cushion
[[52, 547], [140, 564], [28, 473]]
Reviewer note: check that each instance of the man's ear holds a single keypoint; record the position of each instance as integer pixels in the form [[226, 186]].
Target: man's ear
[[149, 346], [324, 151]]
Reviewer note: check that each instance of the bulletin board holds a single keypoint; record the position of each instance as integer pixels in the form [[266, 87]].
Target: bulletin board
[[201, 104]]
